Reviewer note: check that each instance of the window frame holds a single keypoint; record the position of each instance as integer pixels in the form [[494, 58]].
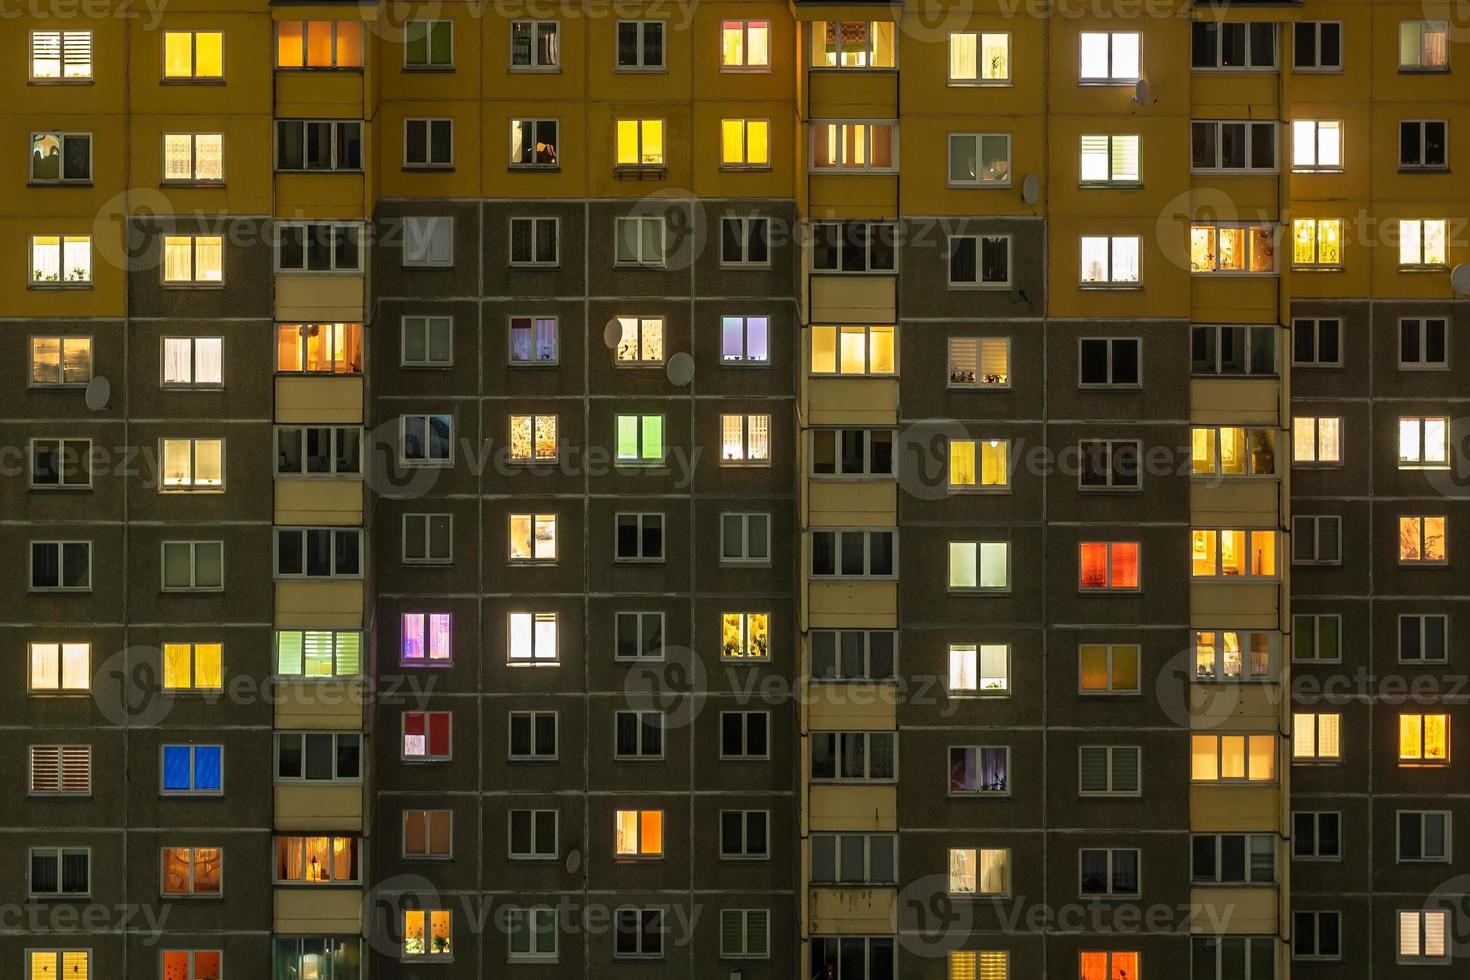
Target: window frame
[[429, 124], [979, 183], [535, 66], [61, 77], [641, 29], [1317, 65], [1423, 326], [64, 279], [58, 853], [194, 546], [1111, 79], [1218, 141], [530, 718], [424, 323], [867, 539], [61, 345], [60, 545], [745, 225], [306, 575], [744, 25], [354, 232], [838, 140], [193, 750], [1317, 227], [534, 519], [640, 261], [66, 451], [980, 282], [429, 557], [427, 235], [340, 136], [979, 81], [1113, 343], [1423, 264], [62, 136], [1423, 619], [641, 518], [428, 27], [428, 459], [534, 127], [1422, 125]]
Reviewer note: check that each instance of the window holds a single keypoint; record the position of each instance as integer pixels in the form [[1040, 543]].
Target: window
[[1233, 758], [638, 735], [1316, 737], [854, 756], [1230, 146], [1108, 668], [64, 566], [332, 957], [745, 735], [1423, 540], [638, 833], [1317, 45], [640, 241], [853, 246], [1424, 637], [191, 871], [533, 340], [427, 539], [642, 341], [314, 654], [428, 241], [1424, 739], [970, 964], [318, 144], [193, 259], [1108, 566], [535, 45], [745, 340], [61, 360], [745, 934], [854, 350], [318, 247], [1317, 243], [1232, 553], [993, 471], [640, 143], [745, 45], [979, 159], [60, 872], [319, 44], [854, 554], [1109, 770], [852, 957], [60, 668], [532, 538], [533, 934], [1233, 47], [871, 146], [194, 362], [533, 243], [192, 464], [745, 439], [979, 668], [1109, 58], [1316, 936], [979, 260], [533, 736], [192, 964], [640, 440], [429, 44], [533, 438], [427, 341], [61, 158], [745, 636], [853, 859], [640, 44], [1316, 145], [1423, 243], [852, 452], [1215, 249], [638, 636], [1316, 440], [1316, 540], [192, 770], [533, 637], [745, 242], [1316, 835], [1233, 350], [1110, 159], [318, 552], [979, 871], [428, 143], [427, 833], [1422, 936], [1424, 836], [853, 44], [1111, 871], [638, 933], [427, 736], [1110, 361], [639, 537], [196, 158], [193, 666], [1422, 144], [1424, 45], [61, 463], [427, 934], [318, 450], [977, 58], [1424, 442], [61, 56], [979, 566], [1316, 342], [1109, 464], [745, 144], [1234, 655], [979, 770], [744, 834], [47, 964], [61, 260], [193, 566], [1110, 260], [979, 362], [426, 639], [533, 835], [1423, 343], [1234, 957], [533, 144], [853, 655], [426, 440], [61, 770]]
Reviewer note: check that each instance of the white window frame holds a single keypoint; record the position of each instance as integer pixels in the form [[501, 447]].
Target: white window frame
[[982, 243], [423, 229], [639, 260], [429, 124], [978, 141]]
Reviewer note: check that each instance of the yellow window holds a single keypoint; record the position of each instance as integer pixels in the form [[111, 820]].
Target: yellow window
[[1424, 738], [745, 142], [1203, 553], [640, 142], [961, 463], [1202, 451], [177, 666]]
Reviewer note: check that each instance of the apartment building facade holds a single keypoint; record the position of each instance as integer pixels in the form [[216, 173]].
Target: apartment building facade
[[845, 490]]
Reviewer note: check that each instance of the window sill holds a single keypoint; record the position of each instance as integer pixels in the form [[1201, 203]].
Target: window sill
[[1316, 70], [421, 367], [745, 69], [1104, 386], [1423, 367], [318, 69], [191, 183], [191, 81], [1411, 169], [433, 168], [533, 70], [193, 285], [1235, 274], [640, 172], [975, 387], [979, 83], [533, 265], [640, 69], [1318, 170], [1423, 268], [992, 286], [1106, 82], [1104, 185], [540, 168], [1111, 287], [61, 81], [979, 185], [1424, 69], [428, 69], [59, 183], [1236, 171], [59, 285]]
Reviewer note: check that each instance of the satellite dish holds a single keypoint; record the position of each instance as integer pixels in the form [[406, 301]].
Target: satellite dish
[[1460, 279], [612, 334], [680, 369], [1140, 91], [1030, 189], [574, 860], [99, 391]]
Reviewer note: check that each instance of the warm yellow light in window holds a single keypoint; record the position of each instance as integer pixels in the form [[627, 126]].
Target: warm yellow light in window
[[758, 142], [994, 463], [653, 142], [208, 666], [962, 463], [1202, 451], [209, 54], [1203, 546], [177, 666], [1202, 248], [178, 54]]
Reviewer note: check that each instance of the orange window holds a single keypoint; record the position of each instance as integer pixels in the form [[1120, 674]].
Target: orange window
[[1108, 565]]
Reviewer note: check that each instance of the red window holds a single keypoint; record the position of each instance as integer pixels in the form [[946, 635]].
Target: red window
[[426, 734], [1108, 565]]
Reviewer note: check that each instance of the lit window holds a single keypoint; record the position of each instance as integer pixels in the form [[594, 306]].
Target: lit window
[[639, 833], [60, 872], [745, 636], [641, 342], [1108, 565], [853, 44], [1317, 243], [979, 362], [1109, 464], [1234, 655], [745, 340], [854, 350], [427, 833], [533, 736], [1317, 45], [430, 44], [426, 440], [61, 463], [1232, 47], [639, 636], [61, 56], [316, 654], [316, 861], [1423, 936], [745, 439], [1109, 871], [1232, 146], [194, 362], [979, 260], [983, 668], [318, 552], [1316, 539], [979, 464], [1423, 540], [745, 143], [61, 668], [1423, 144], [533, 933], [853, 246], [979, 770], [638, 537], [1423, 242], [1316, 440], [1110, 159], [193, 55], [428, 143], [1233, 350], [1316, 144], [1424, 45], [427, 735], [1424, 442], [533, 538], [1316, 342], [1109, 58], [61, 158], [979, 965], [535, 45], [533, 143], [1108, 668], [1316, 737], [1232, 248], [854, 145], [49, 964], [61, 770], [533, 340], [745, 45], [193, 770], [428, 241], [979, 59], [193, 666], [193, 259], [426, 934], [319, 246], [640, 439], [854, 757], [980, 159], [1423, 638], [61, 260], [191, 871], [1110, 260], [61, 566], [640, 241], [532, 637], [640, 44], [318, 757], [533, 438], [1232, 553], [193, 566], [427, 639], [319, 44], [979, 871], [979, 566], [745, 242], [640, 143], [1424, 836], [1233, 758]]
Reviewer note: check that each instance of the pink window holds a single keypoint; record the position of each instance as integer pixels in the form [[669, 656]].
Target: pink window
[[426, 639]]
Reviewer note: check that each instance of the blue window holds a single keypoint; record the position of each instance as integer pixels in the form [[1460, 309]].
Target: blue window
[[193, 768]]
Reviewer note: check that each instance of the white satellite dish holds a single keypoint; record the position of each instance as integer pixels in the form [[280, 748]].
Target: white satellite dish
[[612, 334], [1140, 91], [1460, 279], [1030, 188], [680, 369], [99, 392]]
